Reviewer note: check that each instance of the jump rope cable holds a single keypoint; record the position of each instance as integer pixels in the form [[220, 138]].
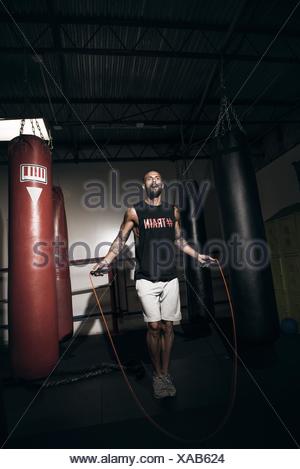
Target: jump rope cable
[[133, 393]]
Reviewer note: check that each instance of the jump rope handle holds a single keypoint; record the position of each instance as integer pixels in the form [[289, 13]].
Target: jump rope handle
[[210, 262], [101, 269]]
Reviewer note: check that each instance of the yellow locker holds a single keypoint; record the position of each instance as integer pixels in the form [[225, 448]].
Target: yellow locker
[[283, 235], [272, 237], [294, 305], [290, 266], [277, 273], [288, 239]]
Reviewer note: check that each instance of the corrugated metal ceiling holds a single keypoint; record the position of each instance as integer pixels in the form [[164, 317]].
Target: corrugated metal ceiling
[[125, 63]]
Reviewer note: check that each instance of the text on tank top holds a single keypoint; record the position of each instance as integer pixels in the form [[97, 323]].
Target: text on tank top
[[154, 238]]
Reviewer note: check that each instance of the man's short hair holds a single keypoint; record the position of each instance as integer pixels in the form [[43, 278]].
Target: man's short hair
[[151, 171]]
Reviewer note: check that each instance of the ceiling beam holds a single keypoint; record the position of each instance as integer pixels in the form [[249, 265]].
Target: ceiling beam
[[144, 23], [166, 150], [146, 101], [136, 124], [164, 54], [87, 145]]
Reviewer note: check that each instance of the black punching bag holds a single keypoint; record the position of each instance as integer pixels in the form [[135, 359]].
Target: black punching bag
[[251, 278], [198, 279]]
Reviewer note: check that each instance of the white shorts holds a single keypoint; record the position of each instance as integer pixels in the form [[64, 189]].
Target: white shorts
[[160, 300]]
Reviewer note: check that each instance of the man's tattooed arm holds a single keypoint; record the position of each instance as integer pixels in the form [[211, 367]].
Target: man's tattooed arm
[[180, 242], [184, 246], [130, 220], [119, 243]]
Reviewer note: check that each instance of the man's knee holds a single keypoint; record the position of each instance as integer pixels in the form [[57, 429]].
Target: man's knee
[[167, 327], [154, 328]]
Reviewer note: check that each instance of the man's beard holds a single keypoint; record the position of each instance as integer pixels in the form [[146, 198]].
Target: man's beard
[[153, 193]]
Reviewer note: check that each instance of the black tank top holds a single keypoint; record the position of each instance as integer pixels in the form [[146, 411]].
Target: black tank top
[[155, 251]]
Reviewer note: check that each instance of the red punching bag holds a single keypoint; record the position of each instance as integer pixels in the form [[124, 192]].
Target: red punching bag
[[61, 256], [33, 327]]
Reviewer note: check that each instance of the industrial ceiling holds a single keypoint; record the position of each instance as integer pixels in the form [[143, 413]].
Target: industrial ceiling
[[141, 79]]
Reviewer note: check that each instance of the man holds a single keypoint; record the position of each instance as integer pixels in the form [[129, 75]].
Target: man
[[157, 230]]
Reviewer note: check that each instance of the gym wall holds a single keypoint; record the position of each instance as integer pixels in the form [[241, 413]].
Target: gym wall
[[90, 226], [277, 183]]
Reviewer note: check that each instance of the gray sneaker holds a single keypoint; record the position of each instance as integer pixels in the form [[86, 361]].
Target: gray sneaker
[[169, 385], [159, 387]]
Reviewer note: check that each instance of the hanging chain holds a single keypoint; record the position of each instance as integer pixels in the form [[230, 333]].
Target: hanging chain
[[227, 116], [27, 106], [225, 121], [50, 143], [32, 126], [226, 110], [22, 126], [237, 120], [39, 129]]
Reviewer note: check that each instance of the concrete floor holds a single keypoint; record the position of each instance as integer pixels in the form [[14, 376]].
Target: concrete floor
[[100, 412]]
